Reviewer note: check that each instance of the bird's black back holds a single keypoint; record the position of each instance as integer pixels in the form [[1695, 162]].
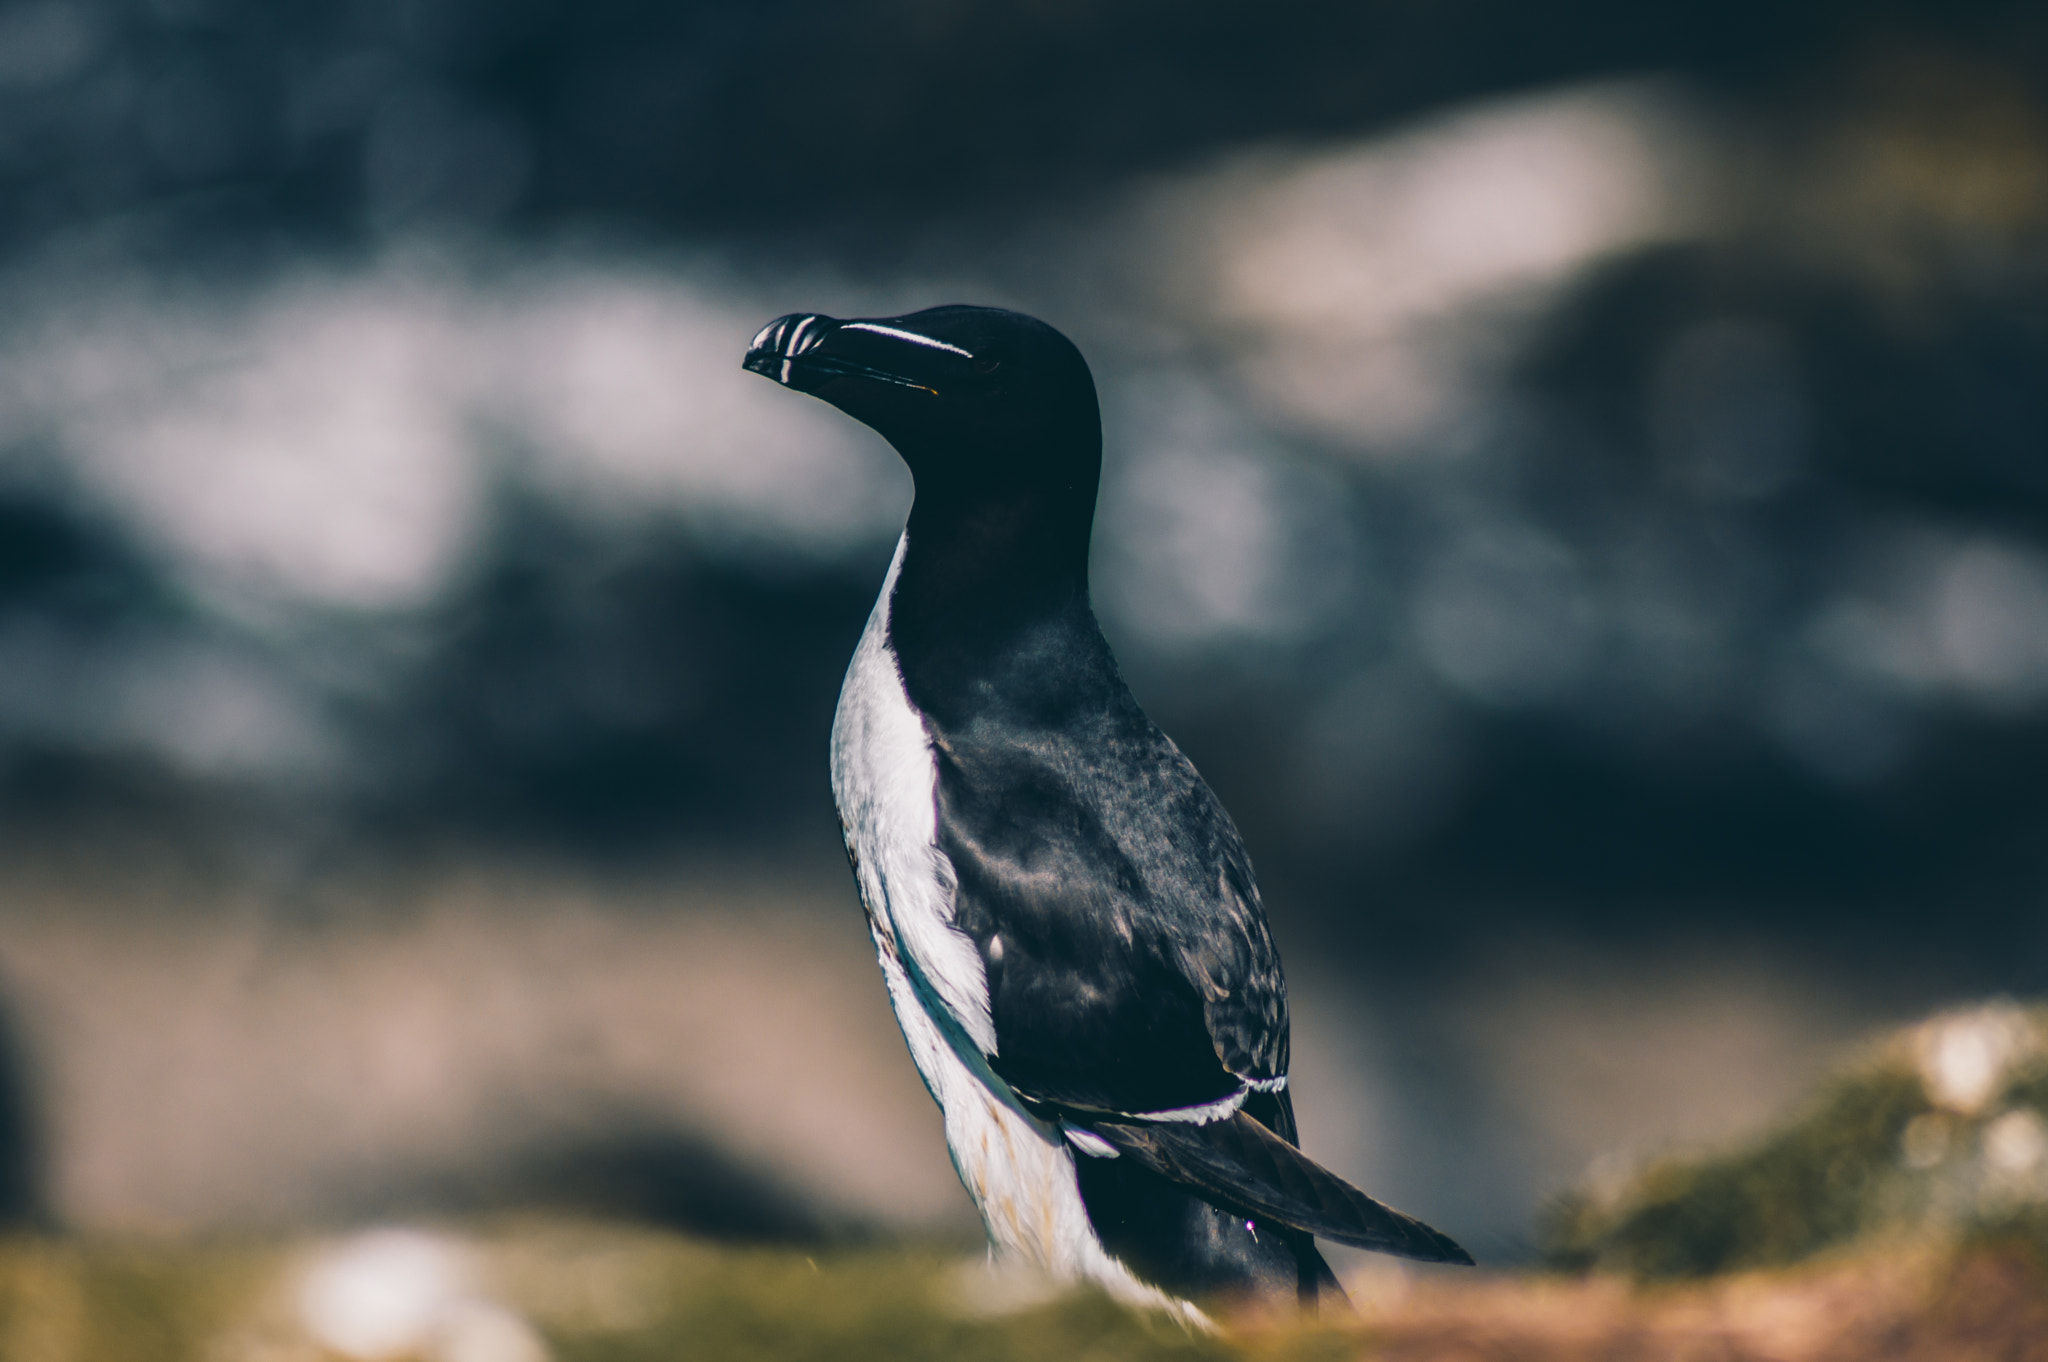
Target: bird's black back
[[1134, 971]]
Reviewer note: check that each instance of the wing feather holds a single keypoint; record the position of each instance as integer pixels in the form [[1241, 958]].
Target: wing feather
[[1129, 964], [1240, 1163]]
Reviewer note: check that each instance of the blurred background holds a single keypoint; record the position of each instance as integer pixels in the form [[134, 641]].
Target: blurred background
[[1577, 484]]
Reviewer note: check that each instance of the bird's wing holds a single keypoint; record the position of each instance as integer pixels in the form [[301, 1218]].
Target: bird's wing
[[1134, 989], [1129, 965], [1241, 1164]]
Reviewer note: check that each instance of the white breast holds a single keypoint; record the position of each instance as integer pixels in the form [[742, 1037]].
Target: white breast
[[886, 784], [1018, 1169]]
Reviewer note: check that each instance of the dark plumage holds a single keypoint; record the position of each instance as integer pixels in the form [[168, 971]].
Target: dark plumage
[[1122, 1004]]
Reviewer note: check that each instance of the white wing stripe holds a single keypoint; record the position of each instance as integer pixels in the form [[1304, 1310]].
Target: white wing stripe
[[1221, 1109], [1088, 1142]]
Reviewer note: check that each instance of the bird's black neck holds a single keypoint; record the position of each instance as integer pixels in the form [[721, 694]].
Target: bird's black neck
[[991, 614]]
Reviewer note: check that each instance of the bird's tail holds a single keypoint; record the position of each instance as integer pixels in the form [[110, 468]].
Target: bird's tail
[[1240, 1163]]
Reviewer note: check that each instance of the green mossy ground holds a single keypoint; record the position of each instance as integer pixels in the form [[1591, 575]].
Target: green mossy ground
[[61, 1300], [596, 1293], [1939, 1132]]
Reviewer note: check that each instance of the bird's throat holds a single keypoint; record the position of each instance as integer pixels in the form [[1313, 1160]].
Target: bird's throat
[[988, 559], [981, 590]]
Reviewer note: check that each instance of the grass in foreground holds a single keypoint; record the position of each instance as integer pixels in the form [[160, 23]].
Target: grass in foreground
[[568, 1292], [554, 1292]]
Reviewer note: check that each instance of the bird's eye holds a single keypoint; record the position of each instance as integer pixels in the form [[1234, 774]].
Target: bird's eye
[[987, 364]]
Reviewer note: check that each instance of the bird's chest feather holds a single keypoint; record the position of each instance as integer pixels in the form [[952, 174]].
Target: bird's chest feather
[[884, 779]]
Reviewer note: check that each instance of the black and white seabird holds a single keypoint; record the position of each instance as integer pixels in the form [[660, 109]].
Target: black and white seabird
[[1065, 915]]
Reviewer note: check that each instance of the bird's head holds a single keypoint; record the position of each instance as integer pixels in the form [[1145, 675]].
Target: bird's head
[[983, 404]]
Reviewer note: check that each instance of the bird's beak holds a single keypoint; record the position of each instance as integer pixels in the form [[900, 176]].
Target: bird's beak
[[781, 343], [792, 350]]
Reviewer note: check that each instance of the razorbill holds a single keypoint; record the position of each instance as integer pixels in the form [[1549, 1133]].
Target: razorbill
[[1066, 918]]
